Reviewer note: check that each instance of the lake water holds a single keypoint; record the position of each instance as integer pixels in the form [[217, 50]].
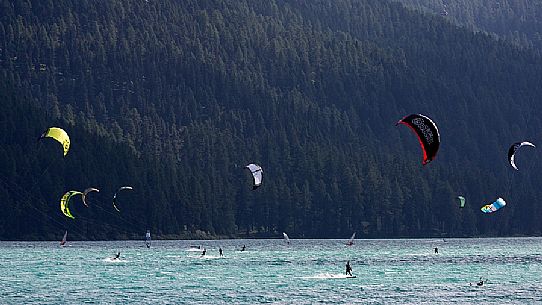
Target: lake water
[[269, 271]]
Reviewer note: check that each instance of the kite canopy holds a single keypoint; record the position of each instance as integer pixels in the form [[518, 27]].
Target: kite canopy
[[427, 133], [115, 196], [256, 171], [90, 189], [461, 201], [497, 204], [65, 203], [512, 151], [59, 135]]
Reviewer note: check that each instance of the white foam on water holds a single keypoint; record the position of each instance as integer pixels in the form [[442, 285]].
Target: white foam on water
[[208, 257], [114, 260], [327, 276]]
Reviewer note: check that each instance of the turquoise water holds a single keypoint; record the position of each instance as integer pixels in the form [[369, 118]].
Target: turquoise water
[[305, 272]]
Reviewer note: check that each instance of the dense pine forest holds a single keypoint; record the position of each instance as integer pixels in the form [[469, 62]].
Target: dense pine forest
[[515, 21], [175, 97]]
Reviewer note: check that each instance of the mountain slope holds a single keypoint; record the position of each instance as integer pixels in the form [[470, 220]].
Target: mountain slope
[[518, 21], [191, 91]]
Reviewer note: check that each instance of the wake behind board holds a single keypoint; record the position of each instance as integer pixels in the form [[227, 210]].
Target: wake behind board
[[330, 276]]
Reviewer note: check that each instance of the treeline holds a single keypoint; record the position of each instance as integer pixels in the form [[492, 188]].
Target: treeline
[[516, 21], [175, 97]]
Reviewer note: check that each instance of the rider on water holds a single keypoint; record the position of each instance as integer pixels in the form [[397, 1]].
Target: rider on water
[[348, 268]]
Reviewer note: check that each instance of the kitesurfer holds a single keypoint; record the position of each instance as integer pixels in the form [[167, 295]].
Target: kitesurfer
[[204, 251], [480, 283], [117, 256], [348, 268], [243, 249], [220, 251], [436, 250]]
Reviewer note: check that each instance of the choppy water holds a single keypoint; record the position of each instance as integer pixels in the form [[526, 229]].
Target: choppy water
[[306, 272]]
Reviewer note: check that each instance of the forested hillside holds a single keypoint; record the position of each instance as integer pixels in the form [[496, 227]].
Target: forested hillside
[[516, 21], [175, 97]]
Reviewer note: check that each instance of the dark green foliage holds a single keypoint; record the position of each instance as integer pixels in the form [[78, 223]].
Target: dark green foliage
[[516, 21], [175, 97]]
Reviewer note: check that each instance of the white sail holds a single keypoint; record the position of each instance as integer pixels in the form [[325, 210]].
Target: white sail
[[351, 240], [148, 239], [63, 241], [286, 239]]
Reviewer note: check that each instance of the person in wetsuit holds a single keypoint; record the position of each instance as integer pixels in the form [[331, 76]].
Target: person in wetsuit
[[204, 251], [243, 249], [348, 268], [220, 251], [436, 250], [117, 256]]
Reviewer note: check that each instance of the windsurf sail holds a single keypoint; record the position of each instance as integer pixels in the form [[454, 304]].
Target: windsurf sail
[[115, 196], [148, 239], [513, 149], [461, 201], [427, 133], [493, 207], [257, 176], [59, 135], [351, 240], [63, 241], [286, 239]]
